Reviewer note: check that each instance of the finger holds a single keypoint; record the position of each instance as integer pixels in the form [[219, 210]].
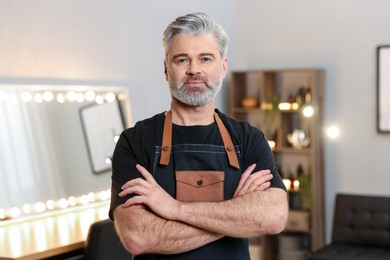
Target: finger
[[138, 181], [134, 189], [134, 200], [256, 179], [244, 177], [148, 177], [263, 186]]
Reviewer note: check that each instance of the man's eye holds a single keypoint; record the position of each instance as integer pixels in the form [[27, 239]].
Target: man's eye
[[206, 59], [181, 61]]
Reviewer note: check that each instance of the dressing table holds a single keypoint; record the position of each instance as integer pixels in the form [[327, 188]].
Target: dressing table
[[51, 234]]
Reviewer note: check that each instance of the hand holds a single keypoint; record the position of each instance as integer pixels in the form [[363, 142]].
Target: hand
[[257, 181], [151, 194]]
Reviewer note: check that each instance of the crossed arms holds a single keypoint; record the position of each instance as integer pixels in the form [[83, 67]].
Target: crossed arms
[[154, 222]]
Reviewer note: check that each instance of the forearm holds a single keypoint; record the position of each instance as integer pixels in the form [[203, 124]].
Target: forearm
[[252, 214], [142, 231]]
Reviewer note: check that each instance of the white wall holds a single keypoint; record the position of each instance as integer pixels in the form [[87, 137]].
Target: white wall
[[119, 42], [96, 41]]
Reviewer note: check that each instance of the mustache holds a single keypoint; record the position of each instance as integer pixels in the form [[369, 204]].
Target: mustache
[[195, 77]]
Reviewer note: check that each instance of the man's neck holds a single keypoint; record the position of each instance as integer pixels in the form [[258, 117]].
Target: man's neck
[[187, 115]]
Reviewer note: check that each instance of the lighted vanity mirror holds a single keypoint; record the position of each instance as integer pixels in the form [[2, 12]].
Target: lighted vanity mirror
[[56, 143]]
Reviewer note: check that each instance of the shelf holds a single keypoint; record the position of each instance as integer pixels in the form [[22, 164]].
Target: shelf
[[301, 87], [298, 221], [291, 150], [248, 110], [260, 110]]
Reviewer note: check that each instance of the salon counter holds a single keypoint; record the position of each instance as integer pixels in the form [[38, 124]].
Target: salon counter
[[50, 234]]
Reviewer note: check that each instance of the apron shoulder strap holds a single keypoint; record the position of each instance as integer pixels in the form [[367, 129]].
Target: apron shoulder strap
[[227, 142], [167, 139]]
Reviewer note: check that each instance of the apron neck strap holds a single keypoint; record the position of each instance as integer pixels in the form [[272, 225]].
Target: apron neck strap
[[167, 141]]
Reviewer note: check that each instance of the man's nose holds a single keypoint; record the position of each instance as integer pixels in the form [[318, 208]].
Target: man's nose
[[193, 68]]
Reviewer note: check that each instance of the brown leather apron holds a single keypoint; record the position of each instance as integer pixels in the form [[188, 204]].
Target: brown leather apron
[[201, 172]]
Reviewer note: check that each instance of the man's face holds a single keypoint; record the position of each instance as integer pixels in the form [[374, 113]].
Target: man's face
[[194, 68]]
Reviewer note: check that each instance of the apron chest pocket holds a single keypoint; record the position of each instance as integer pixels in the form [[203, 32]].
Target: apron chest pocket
[[195, 186]]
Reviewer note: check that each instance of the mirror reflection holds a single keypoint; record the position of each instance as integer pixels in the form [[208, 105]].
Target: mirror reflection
[[55, 145]]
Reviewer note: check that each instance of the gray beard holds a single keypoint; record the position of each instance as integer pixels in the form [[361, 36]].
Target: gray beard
[[195, 98]]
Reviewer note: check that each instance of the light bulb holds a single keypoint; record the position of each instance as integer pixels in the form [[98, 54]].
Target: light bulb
[[63, 203], [2, 213], [48, 96], [271, 144], [110, 97], [108, 161], [40, 207], [84, 200], [296, 185], [333, 132], [26, 96], [103, 195], [72, 201], [91, 196], [99, 99], [14, 212], [294, 106], [284, 106], [80, 97], [60, 98], [308, 111], [50, 204], [3, 96], [71, 96], [287, 183], [90, 95], [26, 208], [38, 98]]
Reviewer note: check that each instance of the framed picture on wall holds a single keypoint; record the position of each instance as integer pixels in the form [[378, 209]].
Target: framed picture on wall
[[102, 125], [383, 89]]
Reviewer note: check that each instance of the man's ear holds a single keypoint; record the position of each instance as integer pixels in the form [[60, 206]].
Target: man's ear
[[165, 70], [224, 66]]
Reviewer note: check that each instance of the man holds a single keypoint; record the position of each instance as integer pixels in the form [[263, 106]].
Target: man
[[192, 183]]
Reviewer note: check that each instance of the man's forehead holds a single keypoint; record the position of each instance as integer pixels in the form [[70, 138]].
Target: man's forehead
[[191, 44]]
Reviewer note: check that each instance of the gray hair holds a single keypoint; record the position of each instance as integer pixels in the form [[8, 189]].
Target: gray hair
[[196, 24]]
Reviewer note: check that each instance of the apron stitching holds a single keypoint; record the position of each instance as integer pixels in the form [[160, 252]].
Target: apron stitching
[[158, 151]]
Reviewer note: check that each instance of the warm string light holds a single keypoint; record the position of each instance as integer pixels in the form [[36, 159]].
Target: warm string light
[[61, 97], [287, 184], [291, 185], [50, 205], [307, 110], [288, 106], [271, 144]]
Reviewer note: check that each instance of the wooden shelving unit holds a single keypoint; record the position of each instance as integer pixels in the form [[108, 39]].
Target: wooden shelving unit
[[256, 96]]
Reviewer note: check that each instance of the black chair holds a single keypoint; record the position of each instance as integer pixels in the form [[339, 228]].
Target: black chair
[[103, 243], [361, 229]]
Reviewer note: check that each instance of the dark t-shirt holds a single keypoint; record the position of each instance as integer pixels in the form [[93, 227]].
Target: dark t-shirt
[[137, 145]]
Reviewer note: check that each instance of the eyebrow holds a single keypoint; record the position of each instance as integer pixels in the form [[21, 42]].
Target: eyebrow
[[186, 55], [179, 55], [208, 54]]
